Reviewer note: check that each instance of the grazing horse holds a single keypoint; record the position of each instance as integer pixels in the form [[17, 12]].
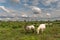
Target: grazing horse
[[29, 28], [41, 27]]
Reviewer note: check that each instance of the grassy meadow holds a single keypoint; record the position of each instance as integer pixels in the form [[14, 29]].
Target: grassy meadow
[[14, 30]]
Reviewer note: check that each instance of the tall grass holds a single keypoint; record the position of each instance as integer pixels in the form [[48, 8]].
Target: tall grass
[[15, 31]]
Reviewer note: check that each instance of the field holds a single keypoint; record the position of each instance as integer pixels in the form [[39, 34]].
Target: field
[[15, 31]]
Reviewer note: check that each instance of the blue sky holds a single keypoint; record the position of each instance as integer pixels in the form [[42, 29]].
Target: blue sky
[[19, 7]]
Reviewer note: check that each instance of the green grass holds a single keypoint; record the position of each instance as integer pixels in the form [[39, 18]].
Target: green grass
[[15, 31]]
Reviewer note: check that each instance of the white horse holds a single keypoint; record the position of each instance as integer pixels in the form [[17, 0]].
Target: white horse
[[30, 27], [41, 27]]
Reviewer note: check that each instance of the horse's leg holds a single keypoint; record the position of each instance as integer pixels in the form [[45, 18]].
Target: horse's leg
[[38, 31]]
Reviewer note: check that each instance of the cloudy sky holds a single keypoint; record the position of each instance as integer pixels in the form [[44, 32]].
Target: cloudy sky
[[31, 8]]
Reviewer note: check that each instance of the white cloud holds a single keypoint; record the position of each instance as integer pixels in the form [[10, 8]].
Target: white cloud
[[36, 9], [48, 2], [3, 8], [48, 14], [24, 15], [8, 18]]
